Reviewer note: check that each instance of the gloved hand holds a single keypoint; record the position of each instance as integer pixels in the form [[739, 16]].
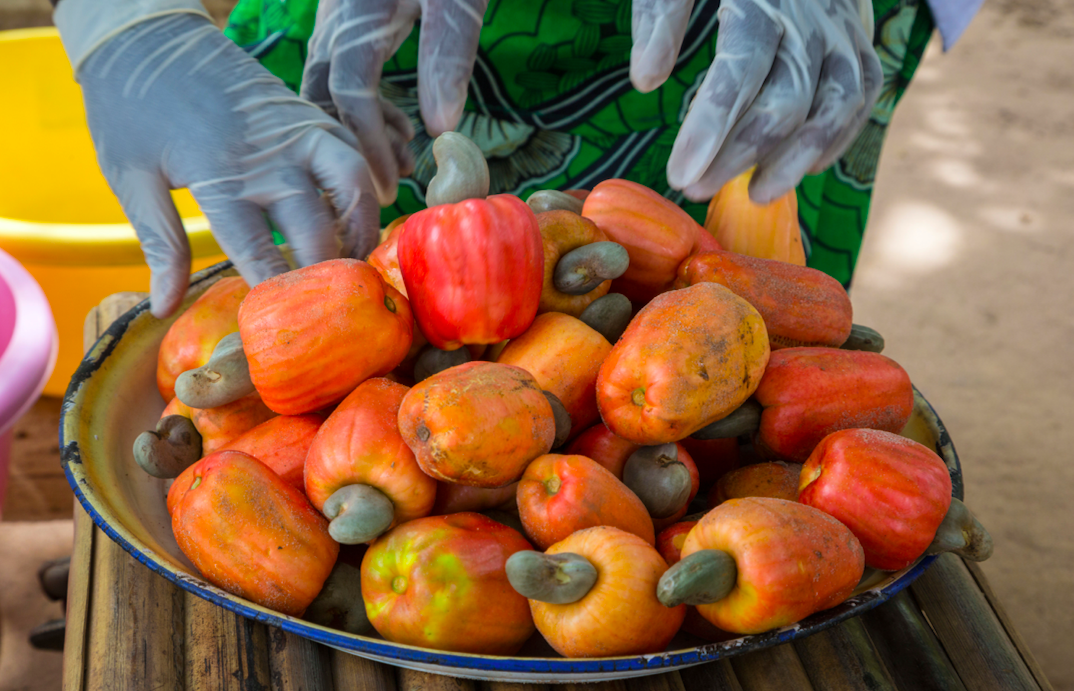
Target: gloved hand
[[172, 103], [792, 83], [352, 39]]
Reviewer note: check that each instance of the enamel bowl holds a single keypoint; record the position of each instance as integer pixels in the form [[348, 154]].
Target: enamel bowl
[[113, 397]]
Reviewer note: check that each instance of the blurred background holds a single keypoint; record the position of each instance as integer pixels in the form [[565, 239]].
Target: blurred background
[[967, 269]]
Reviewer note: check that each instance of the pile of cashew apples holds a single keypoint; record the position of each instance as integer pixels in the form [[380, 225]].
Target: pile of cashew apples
[[576, 416]]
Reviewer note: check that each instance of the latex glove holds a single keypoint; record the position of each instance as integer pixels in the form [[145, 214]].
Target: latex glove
[[172, 103], [792, 83], [352, 39]]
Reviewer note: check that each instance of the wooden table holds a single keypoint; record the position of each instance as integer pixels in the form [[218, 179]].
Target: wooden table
[[128, 628]]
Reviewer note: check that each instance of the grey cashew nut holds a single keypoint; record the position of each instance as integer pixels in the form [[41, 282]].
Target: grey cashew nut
[[961, 533], [864, 338], [659, 478], [461, 171], [584, 268], [555, 578], [339, 605], [357, 514], [225, 378], [554, 200], [746, 419], [168, 450], [434, 361], [704, 577], [562, 417], [608, 315]]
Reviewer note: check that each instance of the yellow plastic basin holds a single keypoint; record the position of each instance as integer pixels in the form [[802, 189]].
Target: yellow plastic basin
[[58, 217]]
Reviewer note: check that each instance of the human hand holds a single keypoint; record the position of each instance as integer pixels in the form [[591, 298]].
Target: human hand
[[172, 103], [351, 42], [792, 83]]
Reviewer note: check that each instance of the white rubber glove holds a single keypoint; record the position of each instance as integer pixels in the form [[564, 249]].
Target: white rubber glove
[[172, 103], [351, 41], [792, 83]]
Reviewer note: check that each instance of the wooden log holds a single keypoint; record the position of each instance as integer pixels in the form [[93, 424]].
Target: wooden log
[[411, 680], [507, 686], [297, 664], [224, 652], [772, 669], [353, 673], [976, 642], [909, 647], [1001, 614], [711, 676], [78, 602], [128, 603], [110, 598], [843, 658]]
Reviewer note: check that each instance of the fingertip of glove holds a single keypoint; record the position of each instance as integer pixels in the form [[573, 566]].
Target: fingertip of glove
[[648, 72]]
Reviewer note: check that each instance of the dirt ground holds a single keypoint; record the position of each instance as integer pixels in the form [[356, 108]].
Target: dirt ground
[[967, 270]]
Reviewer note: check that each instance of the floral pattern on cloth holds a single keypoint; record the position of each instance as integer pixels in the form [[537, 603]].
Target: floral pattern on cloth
[[552, 107]]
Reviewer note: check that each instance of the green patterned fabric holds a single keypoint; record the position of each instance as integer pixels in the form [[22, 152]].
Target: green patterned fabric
[[552, 107]]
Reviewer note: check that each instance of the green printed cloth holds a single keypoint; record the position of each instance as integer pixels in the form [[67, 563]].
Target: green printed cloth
[[552, 106]]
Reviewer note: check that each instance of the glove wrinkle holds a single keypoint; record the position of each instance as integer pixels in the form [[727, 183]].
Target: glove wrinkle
[[172, 103], [792, 83]]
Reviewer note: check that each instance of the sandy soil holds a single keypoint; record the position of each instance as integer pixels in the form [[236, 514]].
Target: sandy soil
[[967, 270]]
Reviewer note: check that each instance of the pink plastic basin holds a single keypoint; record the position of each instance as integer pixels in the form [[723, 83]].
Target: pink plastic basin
[[27, 352]]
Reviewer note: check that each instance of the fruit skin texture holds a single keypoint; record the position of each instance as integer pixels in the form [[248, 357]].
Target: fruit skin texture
[[563, 354], [452, 497], [671, 539], [479, 423], [559, 495], [793, 560], [385, 258], [177, 407], [656, 233], [777, 479], [808, 393], [439, 582], [191, 338], [800, 306], [688, 358], [473, 270], [314, 334], [891, 492], [360, 444], [250, 533], [620, 615], [281, 443], [222, 425], [561, 232], [766, 231]]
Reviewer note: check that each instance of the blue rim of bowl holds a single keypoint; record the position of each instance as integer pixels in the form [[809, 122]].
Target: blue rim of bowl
[[461, 663]]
